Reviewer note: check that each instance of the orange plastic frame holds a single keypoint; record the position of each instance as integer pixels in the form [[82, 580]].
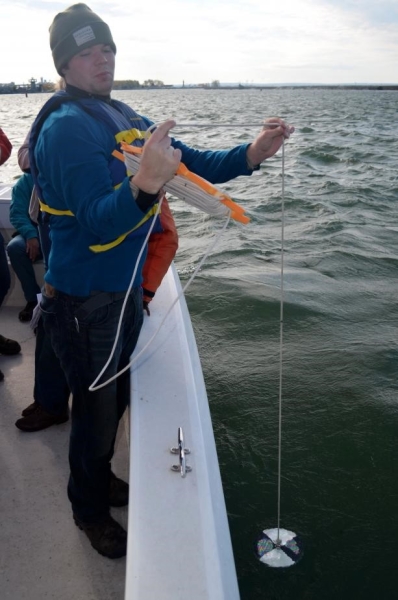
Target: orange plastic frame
[[237, 212]]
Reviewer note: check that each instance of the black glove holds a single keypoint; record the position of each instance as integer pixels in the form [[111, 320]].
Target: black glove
[[145, 305]]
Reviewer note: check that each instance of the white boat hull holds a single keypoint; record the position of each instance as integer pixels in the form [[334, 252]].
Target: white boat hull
[[179, 543]]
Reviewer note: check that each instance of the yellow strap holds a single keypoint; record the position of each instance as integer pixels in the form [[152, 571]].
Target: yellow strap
[[130, 135], [121, 238], [54, 211]]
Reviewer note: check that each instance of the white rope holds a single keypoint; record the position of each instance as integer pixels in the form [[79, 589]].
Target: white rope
[[264, 125], [281, 344], [189, 193], [228, 125], [92, 387], [137, 356]]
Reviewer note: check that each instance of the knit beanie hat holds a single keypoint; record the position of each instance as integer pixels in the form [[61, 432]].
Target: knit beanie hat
[[75, 29]]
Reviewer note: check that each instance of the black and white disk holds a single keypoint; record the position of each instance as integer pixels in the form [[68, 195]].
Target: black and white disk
[[283, 552]]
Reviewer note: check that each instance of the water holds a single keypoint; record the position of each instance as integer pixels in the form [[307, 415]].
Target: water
[[340, 415]]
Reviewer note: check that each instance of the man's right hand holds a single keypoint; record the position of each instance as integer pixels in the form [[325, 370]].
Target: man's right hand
[[32, 248], [159, 161]]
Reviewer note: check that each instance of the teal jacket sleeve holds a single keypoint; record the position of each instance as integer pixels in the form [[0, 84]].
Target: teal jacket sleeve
[[19, 207], [217, 166]]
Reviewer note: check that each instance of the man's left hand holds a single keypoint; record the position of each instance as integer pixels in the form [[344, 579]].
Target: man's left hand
[[268, 142]]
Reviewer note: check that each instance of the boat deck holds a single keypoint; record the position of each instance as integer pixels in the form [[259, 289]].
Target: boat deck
[[43, 554]]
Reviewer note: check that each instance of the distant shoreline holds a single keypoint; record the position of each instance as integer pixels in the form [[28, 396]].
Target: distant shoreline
[[286, 86], [119, 87]]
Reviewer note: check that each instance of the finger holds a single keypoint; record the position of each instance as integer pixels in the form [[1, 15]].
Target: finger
[[162, 130], [272, 130], [177, 154], [174, 152], [287, 131], [271, 125], [275, 132], [275, 122]]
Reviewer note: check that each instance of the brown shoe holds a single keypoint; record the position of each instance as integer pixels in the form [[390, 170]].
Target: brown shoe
[[9, 347], [40, 419], [107, 537], [118, 491], [29, 409]]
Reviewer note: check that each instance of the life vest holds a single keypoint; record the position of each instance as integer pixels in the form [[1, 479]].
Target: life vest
[[125, 125]]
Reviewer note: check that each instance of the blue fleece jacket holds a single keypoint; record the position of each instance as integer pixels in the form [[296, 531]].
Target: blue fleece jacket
[[19, 207], [72, 154]]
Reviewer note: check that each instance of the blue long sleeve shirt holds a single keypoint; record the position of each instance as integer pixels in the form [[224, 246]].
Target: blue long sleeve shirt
[[72, 154]]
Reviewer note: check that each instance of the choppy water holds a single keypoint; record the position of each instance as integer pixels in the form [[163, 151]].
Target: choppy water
[[340, 391]]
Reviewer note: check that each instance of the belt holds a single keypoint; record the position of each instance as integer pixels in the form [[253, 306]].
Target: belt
[[98, 301]]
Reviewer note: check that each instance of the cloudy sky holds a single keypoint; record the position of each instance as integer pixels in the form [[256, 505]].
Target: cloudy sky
[[198, 41]]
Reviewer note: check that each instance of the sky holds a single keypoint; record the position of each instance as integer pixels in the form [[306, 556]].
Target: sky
[[232, 41]]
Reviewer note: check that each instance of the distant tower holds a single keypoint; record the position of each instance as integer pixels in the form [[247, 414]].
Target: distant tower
[[183, 83]]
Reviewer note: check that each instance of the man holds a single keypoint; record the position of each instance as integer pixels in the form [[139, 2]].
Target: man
[[51, 391], [99, 219]]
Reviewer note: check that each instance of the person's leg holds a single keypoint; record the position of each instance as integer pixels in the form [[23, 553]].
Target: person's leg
[[51, 390], [23, 267], [83, 348]]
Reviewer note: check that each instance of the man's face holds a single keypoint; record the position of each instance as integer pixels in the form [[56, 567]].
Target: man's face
[[92, 70]]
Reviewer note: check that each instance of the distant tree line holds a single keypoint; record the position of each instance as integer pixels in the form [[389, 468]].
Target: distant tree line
[[33, 86], [133, 84]]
